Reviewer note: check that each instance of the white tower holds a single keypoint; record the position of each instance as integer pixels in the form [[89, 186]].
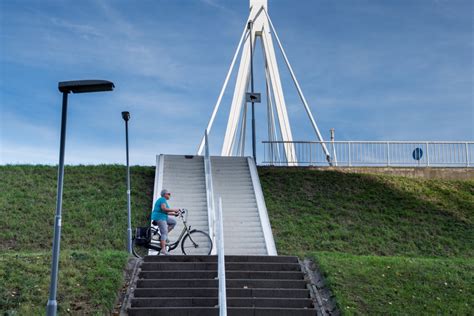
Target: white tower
[[234, 140]]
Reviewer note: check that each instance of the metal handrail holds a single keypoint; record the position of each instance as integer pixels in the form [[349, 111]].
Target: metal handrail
[[375, 153], [221, 262], [216, 233], [209, 192]]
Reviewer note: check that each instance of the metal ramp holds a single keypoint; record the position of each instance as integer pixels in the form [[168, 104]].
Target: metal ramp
[[247, 228]]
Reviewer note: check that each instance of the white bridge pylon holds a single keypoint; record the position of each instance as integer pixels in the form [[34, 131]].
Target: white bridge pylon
[[261, 27]]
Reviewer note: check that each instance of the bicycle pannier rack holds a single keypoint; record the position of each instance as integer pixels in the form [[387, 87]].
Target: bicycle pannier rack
[[142, 235]]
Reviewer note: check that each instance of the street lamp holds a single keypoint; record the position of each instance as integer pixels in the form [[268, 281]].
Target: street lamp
[[79, 86], [126, 117]]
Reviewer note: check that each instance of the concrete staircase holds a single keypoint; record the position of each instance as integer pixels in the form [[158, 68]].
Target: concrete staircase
[[187, 285], [247, 228], [183, 176], [243, 233]]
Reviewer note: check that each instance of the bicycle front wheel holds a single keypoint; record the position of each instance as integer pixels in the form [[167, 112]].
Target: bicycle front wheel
[[196, 243]]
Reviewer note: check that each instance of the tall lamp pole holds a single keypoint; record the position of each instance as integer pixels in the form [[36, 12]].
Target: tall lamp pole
[[66, 87], [126, 118]]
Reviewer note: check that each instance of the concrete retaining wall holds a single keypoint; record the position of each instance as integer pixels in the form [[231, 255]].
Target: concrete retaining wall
[[420, 172]]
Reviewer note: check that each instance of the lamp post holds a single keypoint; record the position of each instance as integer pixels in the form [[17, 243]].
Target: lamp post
[[66, 87], [126, 117]]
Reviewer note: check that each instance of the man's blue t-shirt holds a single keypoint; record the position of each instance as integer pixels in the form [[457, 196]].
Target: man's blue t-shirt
[[158, 214]]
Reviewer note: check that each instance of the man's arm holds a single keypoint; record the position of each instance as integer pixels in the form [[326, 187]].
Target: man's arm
[[172, 211]]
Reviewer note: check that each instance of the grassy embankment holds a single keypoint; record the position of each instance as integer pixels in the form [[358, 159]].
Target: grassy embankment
[[92, 241], [386, 244]]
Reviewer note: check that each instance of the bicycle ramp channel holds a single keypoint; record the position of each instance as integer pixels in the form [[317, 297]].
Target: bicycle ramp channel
[[247, 228]]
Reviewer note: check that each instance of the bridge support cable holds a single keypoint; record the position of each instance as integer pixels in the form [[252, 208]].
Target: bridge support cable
[[224, 86], [300, 92]]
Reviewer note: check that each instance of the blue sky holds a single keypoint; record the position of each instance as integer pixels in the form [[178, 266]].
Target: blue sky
[[373, 70]]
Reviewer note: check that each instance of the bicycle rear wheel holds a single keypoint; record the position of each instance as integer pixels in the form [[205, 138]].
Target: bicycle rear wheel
[[139, 251], [196, 243]]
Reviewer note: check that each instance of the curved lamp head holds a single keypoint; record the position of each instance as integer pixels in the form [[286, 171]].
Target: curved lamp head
[[84, 86], [126, 116]]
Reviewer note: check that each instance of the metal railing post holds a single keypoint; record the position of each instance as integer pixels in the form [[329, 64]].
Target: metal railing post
[[211, 212], [388, 154], [221, 262], [467, 155], [350, 158], [427, 155]]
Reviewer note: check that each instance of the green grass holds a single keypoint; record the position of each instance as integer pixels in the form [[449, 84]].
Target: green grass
[[94, 221], [378, 285], [368, 214], [88, 282], [94, 212], [387, 245]]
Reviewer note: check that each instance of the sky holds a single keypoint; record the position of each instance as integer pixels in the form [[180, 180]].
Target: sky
[[371, 69]]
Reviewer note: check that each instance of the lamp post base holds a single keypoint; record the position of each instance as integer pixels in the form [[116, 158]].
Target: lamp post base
[[51, 308]]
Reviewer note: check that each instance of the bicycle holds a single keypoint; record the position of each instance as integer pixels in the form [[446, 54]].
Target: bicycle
[[193, 242]]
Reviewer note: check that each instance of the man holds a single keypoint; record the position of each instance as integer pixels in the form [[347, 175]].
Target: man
[[160, 213]]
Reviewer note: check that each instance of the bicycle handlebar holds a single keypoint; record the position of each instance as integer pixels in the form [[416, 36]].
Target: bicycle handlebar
[[182, 211]]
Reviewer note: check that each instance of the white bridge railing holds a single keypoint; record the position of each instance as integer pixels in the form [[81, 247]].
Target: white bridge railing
[[372, 153]]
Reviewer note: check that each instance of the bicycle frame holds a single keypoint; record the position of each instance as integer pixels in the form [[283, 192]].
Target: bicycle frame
[[185, 231]]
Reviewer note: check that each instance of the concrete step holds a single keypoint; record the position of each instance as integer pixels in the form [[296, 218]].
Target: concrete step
[[193, 182], [244, 251], [194, 177], [230, 228], [234, 184], [197, 165], [213, 283], [210, 274], [247, 215], [184, 191], [244, 241], [214, 311], [213, 292], [235, 266], [231, 302], [274, 259], [249, 236], [234, 204]]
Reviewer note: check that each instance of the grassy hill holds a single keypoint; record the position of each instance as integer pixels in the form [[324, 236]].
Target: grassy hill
[[92, 238], [386, 244]]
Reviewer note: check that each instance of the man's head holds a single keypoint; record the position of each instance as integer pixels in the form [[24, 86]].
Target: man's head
[[165, 193]]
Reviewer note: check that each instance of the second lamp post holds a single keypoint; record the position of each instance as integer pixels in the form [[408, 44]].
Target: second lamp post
[[126, 118]]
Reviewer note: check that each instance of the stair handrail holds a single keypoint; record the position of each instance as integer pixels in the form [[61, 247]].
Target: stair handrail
[[221, 262], [211, 210]]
